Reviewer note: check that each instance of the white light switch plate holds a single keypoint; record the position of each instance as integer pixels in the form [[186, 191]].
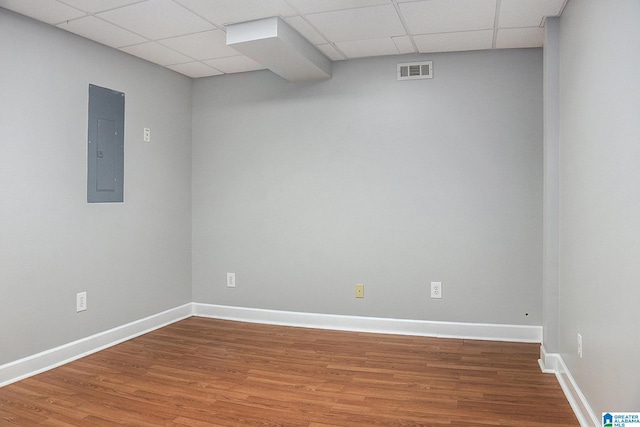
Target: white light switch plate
[[231, 280], [81, 301]]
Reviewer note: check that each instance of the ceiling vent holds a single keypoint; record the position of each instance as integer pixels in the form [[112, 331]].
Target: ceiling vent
[[415, 70]]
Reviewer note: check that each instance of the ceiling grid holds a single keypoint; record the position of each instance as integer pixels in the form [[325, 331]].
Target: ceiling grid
[[188, 36]]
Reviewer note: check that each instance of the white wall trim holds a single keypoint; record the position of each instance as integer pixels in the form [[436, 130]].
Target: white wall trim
[[549, 362], [553, 363], [52, 358], [477, 331], [49, 359]]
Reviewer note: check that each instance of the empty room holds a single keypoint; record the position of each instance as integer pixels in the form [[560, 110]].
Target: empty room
[[319, 212]]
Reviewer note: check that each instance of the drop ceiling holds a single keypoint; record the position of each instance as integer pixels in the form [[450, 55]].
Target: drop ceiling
[[189, 36]]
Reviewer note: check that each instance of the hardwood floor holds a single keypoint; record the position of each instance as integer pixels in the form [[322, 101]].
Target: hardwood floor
[[206, 372]]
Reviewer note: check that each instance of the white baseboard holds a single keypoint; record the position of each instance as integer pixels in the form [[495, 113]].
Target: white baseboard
[[49, 359], [477, 331], [549, 362], [553, 363]]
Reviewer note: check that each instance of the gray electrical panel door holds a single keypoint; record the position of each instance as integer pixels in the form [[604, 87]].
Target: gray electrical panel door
[[105, 178]]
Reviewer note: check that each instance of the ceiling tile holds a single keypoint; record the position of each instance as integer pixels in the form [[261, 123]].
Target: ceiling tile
[[95, 6], [520, 37], [527, 13], [51, 12], [307, 31], [451, 42], [189, 36], [403, 44], [205, 45], [235, 64], [370, 47], [441, 16], [195, 69], [157, 19], [157, 53], [330, 52], [222, 12], [358, 24], [315, 6], [101, 31]]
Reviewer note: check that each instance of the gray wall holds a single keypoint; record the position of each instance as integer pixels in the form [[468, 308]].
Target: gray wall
[[551, 190], [132, 258], [600, 200], [304, 190]]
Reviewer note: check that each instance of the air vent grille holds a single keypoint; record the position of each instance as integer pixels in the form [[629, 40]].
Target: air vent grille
[[415, 70]]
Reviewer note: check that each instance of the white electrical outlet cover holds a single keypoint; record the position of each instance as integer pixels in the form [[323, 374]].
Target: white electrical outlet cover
[[436, 290]]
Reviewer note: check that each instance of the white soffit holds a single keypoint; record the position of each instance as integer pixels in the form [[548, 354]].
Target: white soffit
[[331, 52], [234, 64], [278, 47]]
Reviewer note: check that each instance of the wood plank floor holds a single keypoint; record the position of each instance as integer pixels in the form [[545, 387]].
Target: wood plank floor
[[206, 372]]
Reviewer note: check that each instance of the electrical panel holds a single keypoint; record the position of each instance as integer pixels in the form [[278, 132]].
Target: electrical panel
[[105, 177]]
